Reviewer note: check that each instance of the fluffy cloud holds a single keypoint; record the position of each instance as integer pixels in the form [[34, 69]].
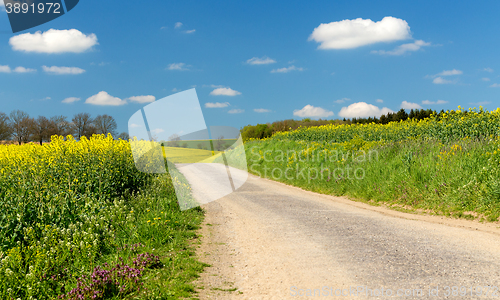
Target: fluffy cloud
[[216, 104], [23, 70], [310, 111], [441, 80], [63, 70], [260, 61], [359, 32], [362, 110], [286, 70], [379, 101], [53, 41], [343, 100], [178, 25], [178, 67], [224, 92], [103, 98], [495, 85], [488, 70], [427, 102], [410, 105], [261, 110], [189, 31], [236, 111], [450, 73], [70, 100], [7, 69], [485, 79], [142, 99], [402, 49]]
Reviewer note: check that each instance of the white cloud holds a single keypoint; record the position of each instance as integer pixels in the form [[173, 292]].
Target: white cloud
[[410, 105], [261, 110], [488, 70], [7, 69], [224, 92], [359, 32], [260, 61], [495, 85], [362, 110], [157, 131], [379, 101], [53, 41], [402, 49], [427, 102], [175, 90], [70, 100], [485, 79], [286, 70], [450, 73], [441, 80], [103, 98], [23, 70], [189, 31], [178, 25], [236, 111], [310, 111], [178, 67], [142, 99], [216, 104], [63, 70], [343, 100]]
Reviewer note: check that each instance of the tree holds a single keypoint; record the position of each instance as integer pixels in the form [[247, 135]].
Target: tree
[[124, 136], [174, 140], [21, 125], [5, 129], [82, 125], [59, 126], [40, 129], [105, 124], [219, 144]]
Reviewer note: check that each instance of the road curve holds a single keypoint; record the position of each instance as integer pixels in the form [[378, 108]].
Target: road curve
[[268, 240]]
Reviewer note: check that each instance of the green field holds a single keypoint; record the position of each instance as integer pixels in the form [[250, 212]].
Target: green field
[[202, 144], [187, 155], [447, 165]]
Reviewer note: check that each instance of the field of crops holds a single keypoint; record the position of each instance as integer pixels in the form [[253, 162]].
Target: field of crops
[[79, 221], [447, 164]]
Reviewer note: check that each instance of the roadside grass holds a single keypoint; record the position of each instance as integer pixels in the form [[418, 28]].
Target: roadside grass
[[457, 178]]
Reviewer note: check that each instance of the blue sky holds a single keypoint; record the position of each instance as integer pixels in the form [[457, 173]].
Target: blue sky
[[257, 61]]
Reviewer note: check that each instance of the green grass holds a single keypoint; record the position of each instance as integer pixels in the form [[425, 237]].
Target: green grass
[[455, 178]]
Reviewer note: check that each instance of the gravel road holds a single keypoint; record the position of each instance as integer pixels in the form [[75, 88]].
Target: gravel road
[[268, 240]]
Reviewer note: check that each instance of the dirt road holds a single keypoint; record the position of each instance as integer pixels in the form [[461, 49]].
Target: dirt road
[[271, 241]]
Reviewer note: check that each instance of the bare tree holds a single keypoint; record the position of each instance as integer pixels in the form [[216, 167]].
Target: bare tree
[[5, 129], [219, 143], [105, 124], [21, 124], [124, 136], [40, 129], [82, 125], [60, 126], [174, 140]]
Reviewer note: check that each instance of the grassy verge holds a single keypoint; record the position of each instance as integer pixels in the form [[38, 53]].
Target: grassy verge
[[456, 178]]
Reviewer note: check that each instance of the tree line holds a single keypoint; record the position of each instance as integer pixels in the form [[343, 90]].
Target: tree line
[[261, 131], [21, 128]]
